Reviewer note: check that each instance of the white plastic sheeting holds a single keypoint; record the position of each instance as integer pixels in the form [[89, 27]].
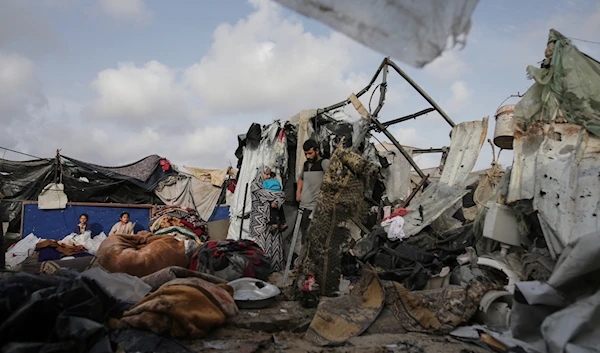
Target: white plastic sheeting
[[53, 197], [415, 32], [266, 155], [85, 240], [21, 251], [557, 166]]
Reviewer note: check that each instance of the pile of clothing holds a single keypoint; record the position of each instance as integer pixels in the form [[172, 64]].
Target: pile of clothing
[[180, 222], [230, 260]]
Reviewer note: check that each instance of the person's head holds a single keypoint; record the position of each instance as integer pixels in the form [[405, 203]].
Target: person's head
[[311, 151], [124, 217], [267, 173], [83, 218], [272, 175]]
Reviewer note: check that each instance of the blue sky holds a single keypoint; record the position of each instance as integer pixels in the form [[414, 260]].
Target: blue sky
[[111, 81]]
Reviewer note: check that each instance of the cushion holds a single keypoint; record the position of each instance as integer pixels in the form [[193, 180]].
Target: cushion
[[141, 254]]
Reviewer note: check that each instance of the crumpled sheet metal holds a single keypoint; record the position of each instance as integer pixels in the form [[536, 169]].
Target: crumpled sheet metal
[[342, 318], [415, 32], [557, 165], [467, 140]]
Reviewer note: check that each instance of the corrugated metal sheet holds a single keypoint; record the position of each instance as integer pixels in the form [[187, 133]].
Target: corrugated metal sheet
[[558, 167], [467, 139]]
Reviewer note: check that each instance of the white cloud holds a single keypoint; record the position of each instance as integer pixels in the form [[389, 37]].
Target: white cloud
[[133, 94], [461, 95], [269, 63], [126, 10], [447, 67], [20, 89]]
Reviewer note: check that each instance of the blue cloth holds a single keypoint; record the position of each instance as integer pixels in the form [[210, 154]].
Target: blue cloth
[[272, 184]]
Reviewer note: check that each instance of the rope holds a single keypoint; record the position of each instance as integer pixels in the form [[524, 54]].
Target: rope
[[492, 179]]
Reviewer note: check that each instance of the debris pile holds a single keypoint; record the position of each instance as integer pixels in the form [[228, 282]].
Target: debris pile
[[502, 258]]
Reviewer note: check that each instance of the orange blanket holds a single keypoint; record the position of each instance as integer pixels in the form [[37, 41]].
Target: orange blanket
[[141, 254], [182, 308]]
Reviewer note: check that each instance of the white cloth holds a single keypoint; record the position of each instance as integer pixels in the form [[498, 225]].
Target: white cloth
[[85, 240], [395, 228], [21, 250], [53, 197]]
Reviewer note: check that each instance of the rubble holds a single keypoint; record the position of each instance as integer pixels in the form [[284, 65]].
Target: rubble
[[502, 259]]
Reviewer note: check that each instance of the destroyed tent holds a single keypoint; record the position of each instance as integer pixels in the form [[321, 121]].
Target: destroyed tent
[[279, 146], [24, 181]]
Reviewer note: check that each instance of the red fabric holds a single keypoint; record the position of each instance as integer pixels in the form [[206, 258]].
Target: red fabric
[[198, 231], [398, 212], [165, 164], [231, 185]]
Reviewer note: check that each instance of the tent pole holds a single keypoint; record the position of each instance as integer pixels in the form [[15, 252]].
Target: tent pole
[[243, 213]]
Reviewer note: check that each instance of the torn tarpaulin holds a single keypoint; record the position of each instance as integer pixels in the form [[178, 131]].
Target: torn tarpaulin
[[415, 32]]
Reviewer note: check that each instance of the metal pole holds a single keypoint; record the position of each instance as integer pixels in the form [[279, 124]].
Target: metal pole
[[398, 146], [408, 117], [288, 263], [421, 92], [414, 192], [243, 212], [360, 93]]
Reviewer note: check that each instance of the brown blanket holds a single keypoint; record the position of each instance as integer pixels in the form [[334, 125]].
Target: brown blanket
[[141, 254], [67, 250], [182, 308]]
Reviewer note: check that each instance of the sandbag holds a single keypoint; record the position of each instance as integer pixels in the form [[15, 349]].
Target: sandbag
[[141, 254]]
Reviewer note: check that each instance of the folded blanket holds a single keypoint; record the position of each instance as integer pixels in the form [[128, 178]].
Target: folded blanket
[[141, 254], [182, 308]]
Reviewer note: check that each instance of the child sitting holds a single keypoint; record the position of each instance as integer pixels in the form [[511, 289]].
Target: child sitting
[[277, 215]]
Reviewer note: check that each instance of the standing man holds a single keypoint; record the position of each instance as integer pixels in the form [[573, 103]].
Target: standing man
[[309, 184]]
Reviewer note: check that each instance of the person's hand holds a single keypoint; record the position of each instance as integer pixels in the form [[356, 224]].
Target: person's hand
[[298, 197], [274, 205]]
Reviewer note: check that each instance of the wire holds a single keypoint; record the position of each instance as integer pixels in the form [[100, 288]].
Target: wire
[[584, 40], [24, 154], [372, 94], [518, 95]]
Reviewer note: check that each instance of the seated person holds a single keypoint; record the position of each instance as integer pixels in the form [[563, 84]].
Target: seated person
[[277, 215], [83, 225], [123, 226]]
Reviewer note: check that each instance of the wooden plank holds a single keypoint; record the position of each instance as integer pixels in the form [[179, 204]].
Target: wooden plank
[[360, 108]]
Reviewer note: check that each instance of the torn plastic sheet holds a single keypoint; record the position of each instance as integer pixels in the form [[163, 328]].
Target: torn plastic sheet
[[415, 32], [566, 87]]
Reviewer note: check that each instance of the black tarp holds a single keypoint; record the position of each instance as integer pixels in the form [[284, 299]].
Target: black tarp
[[145, 173], [22, 181]]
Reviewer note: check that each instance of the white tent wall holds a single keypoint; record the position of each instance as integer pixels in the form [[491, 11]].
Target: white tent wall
[[266, 155]]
